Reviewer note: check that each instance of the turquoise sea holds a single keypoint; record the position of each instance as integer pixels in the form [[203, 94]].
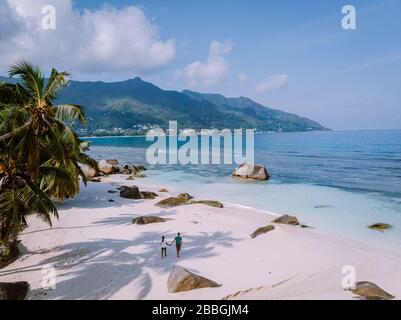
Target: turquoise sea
[[335, 181]]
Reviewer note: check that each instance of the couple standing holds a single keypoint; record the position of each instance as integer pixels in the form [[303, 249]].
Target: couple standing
[[164, 244]]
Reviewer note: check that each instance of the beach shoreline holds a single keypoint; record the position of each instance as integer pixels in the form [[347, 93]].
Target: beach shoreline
[[99, 254]]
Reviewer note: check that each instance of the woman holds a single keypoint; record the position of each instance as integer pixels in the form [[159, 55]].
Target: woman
[[163, 246]]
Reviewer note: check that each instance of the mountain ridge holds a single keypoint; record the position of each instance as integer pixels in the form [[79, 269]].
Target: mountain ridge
[[133, 106]]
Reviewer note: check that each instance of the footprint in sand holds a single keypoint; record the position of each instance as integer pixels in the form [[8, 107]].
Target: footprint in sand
[[201, 216]]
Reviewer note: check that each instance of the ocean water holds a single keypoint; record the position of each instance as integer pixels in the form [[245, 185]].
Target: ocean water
[[337, 181]]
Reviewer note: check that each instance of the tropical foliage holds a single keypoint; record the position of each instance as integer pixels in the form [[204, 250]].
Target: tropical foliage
[[40, 154]]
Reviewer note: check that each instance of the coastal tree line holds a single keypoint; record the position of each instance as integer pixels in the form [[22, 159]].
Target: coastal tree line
[[40, 154]]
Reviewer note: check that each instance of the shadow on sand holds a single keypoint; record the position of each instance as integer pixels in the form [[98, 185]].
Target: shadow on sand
[[99, 268], [107, 265]]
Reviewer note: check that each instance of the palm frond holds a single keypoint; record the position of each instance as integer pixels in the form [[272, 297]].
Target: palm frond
[[56, 173], [13, 95], [37, 201], [7, 203], [11, 214], [70, 112], [85, 159], [31, 78], [70, 140], [15, 132], [81, 174], [57, 81], [84, 146], [55, 141]]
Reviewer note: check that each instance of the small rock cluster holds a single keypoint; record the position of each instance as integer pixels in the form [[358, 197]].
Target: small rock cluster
[[287, 219], [380, 226], [181, 279], [371, 291], [251, 171], [148, 220], [262, 230], [111, 166], [134, 193], [184, 199], [14, 290]]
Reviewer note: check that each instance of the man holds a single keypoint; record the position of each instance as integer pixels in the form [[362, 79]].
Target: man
[[178, 243]]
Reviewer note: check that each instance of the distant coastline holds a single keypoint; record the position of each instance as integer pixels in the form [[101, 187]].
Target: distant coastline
[[256, 133]]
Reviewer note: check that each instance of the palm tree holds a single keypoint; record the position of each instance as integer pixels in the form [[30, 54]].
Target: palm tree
[[19, 197], [39, 151], [43, 119]]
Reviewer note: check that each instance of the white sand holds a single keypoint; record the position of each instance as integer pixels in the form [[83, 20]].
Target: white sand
[[99, 254]]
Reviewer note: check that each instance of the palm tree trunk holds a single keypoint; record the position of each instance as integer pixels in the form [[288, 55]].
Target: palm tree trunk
[[15, 132], [4, 234], [33, 163]]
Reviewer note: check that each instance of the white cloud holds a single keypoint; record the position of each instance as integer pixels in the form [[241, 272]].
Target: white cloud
[[274, 82], [218, 48], [211, 72], [107, 40], [242, 78]]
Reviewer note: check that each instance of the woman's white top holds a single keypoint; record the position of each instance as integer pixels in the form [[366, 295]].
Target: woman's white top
[[163, 244]]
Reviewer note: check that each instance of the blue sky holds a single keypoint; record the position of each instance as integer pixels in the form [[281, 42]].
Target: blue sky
[[292, 55]]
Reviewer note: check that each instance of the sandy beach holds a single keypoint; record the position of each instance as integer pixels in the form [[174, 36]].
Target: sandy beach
[[99, 254], [262, 139]]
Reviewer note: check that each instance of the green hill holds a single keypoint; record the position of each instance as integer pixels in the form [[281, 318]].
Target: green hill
[[130, 107]]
